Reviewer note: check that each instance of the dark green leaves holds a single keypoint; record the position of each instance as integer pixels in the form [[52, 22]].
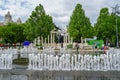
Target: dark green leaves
[[79, 24], [38, 24]]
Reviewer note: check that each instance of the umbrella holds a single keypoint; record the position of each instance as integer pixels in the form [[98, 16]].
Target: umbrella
[[26, 43]]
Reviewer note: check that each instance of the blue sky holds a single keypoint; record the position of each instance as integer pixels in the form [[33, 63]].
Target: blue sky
[[60, 10]]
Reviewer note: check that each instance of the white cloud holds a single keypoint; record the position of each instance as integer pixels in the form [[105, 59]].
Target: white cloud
[[60, 10]]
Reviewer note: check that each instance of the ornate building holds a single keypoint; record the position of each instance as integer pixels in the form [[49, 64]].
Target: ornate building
[[8, 18]]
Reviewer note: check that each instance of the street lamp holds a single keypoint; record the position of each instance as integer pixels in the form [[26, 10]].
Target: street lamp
[[115, 10]]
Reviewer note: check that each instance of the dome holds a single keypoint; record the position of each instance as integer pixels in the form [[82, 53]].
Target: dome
[[8, 14], [8, 17], [19, 20]]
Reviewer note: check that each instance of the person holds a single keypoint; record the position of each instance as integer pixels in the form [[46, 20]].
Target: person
[[77, 47], [105, 48], [61, 45]]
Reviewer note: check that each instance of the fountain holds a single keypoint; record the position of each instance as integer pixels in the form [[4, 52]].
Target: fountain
[[47, 60], [5, 61], [6, 57], [61, 66], [68, 62]]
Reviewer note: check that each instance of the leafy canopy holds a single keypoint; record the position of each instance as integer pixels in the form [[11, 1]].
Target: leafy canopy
[[79, 25], [38, 24]]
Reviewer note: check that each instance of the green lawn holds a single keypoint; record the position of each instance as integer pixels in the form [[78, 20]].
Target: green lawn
[[21, 61]]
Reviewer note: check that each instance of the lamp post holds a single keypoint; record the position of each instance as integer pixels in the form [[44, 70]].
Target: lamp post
[[116, 11]]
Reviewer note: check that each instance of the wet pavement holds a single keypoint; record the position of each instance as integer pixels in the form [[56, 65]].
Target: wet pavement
[[24, 74]]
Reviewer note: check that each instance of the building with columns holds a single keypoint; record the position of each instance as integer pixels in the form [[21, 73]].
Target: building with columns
[[55, 38]]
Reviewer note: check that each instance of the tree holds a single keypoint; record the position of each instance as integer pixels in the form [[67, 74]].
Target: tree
[[1, 34], [106, 26], [113, 24], [13, 33], [79, 25], [1, 31], [38, 24]]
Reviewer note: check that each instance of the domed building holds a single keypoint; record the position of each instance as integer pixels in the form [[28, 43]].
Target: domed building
[[8, 18], [19, 20]]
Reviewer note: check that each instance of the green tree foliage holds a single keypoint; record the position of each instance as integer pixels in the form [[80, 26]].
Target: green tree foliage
[[13, 33], [106, 26], [101, 25], [38, 24], [113, 25], [79, 25], [1, 31]]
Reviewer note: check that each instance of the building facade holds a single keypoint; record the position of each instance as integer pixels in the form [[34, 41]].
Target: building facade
[[8, 18]]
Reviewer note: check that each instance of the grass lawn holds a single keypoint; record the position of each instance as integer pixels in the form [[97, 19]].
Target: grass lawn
[[21, 61]]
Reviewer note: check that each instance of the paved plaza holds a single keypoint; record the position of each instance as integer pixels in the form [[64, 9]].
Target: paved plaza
[[21, 74]]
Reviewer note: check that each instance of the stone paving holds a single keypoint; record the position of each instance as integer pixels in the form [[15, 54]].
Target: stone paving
[[24, 74]]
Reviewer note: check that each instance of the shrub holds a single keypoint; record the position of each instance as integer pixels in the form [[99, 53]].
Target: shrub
[[69, 46]]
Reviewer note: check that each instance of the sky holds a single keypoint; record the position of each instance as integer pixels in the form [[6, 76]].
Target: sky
[[60, 10]]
